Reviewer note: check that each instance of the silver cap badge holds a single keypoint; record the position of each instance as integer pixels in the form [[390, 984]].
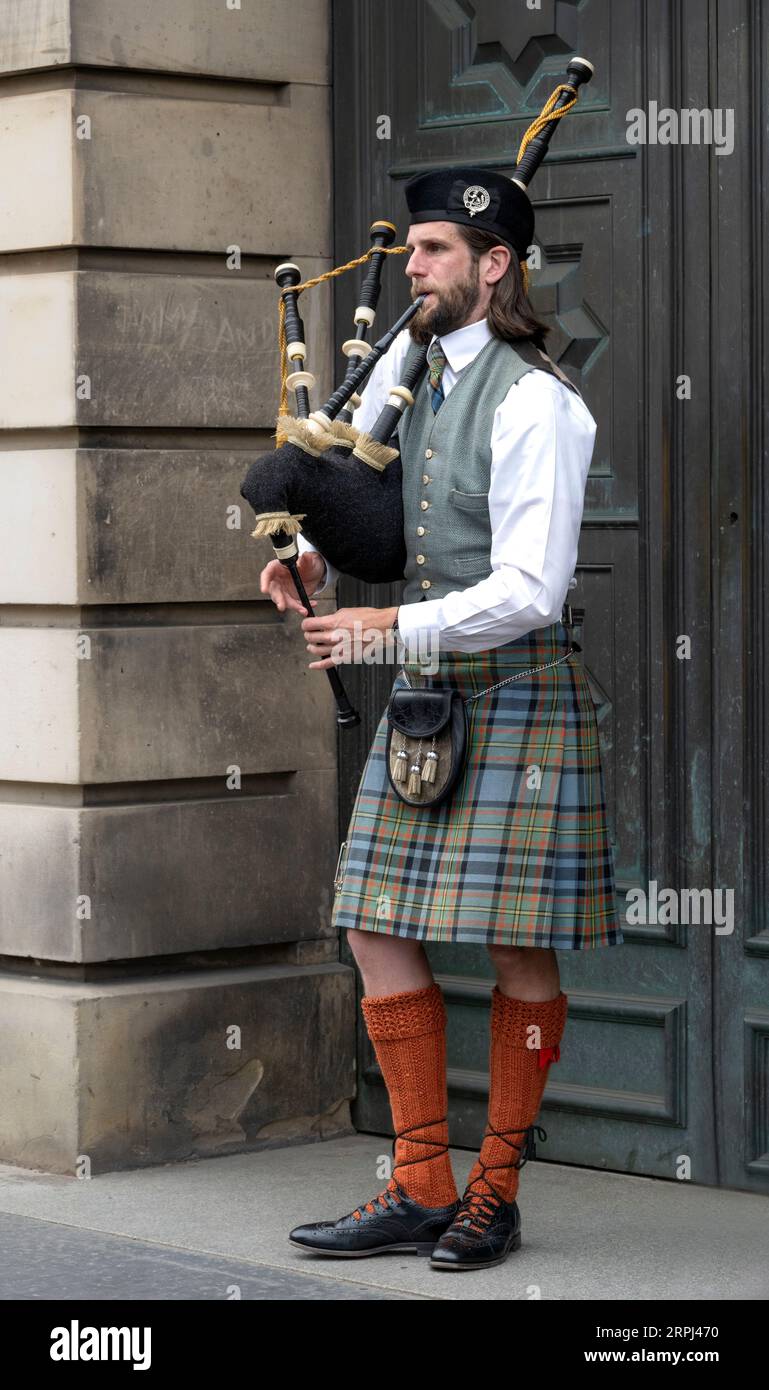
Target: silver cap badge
[[476, 199]]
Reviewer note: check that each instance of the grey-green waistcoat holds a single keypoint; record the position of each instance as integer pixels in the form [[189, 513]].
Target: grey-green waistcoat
[[446, 460]]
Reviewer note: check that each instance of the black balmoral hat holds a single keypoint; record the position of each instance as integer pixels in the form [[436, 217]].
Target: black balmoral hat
[[475, 198]]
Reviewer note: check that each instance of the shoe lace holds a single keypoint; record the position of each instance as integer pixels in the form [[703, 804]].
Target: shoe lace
[[393, 1193], [478, 1209]]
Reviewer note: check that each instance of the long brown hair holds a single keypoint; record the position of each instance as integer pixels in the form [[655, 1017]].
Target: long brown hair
[[509, 314]]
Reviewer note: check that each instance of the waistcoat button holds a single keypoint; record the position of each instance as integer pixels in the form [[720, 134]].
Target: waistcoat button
[[420, 559], [428, 453], [421, 531], [426, 478], [424, 505], [425, 583]]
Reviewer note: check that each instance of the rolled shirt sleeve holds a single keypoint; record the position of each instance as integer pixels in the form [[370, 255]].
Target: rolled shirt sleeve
[[542, 443]]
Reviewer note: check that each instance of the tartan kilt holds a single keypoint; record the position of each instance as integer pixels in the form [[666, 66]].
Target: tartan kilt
[[519, 854]]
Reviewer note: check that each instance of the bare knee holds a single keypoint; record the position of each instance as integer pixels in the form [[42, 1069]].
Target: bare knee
[[529, 972], [373, 946], [389, 964], [510, 960]]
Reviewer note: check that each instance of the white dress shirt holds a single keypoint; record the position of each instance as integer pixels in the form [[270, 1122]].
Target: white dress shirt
[[541, 446]]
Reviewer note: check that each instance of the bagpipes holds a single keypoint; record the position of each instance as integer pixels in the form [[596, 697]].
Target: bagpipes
[[339, 486]]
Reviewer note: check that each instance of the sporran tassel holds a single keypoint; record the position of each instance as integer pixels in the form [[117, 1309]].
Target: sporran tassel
[[415, 780], [400, 765], [430, 765]]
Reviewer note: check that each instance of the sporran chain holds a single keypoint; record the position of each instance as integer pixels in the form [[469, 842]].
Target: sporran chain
[[517, 677]]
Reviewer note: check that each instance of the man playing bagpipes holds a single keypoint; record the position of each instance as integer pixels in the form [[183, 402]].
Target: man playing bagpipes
[[495, 453]]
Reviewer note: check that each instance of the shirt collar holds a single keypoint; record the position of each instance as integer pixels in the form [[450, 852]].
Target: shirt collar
[[461, 346]]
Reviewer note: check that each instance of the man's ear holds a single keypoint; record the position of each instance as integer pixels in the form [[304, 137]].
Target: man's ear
[[495, 262]]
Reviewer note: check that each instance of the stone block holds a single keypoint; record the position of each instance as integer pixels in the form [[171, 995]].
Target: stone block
[[200, 351], [37, 383], [99, 1077], [35, 35], [156, 701], [122, 876], [37, 161], [187, 175], [266, 42], [106, 526], [113, 348], [95, 168], [191, 701], [39, 508], [39, 705]]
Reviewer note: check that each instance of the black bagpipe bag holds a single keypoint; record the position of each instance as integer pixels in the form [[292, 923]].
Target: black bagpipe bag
[[352, 513]]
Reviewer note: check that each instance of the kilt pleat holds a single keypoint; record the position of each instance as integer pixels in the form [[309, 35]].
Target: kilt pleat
[[520, 854]]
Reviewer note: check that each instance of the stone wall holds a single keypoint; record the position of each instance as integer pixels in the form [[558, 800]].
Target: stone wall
[[168, 825]]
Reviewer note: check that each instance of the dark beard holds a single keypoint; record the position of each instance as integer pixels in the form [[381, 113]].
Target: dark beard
[[451, 310]]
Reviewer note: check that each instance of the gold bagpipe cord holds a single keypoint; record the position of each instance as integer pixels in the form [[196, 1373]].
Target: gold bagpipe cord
[[546, 114]]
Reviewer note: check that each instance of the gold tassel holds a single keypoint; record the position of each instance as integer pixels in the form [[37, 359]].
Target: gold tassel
[[399, 766], [430, 766], [415, 781]]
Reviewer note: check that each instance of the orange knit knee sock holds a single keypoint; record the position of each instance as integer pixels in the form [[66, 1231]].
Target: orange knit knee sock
[[408, 1032], [517, 1076]]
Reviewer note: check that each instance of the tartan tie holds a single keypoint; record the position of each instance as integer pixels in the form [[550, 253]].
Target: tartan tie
[[437, 361]]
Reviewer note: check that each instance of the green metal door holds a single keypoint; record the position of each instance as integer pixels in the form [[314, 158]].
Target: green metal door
[[651, 276]]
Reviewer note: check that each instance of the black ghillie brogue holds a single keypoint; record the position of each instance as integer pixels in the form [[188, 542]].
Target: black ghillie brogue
[[486, 1229], [391, 1221]]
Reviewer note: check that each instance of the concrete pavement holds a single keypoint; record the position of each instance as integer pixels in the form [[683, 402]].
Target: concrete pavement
[[215, 1229]]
